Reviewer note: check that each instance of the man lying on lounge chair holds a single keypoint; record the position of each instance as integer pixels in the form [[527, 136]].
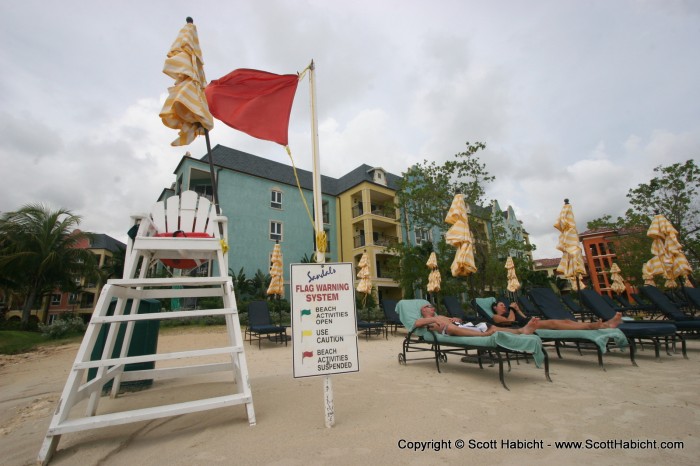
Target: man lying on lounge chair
[[455, 327], [513, 314]]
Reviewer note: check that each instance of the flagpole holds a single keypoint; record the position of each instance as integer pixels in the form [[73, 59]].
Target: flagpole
[[214, 183], [318, 224]]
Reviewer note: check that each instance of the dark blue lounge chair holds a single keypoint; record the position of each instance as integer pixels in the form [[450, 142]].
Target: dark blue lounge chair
[[693, 295], [528, 307], [690, 326], [635, 330], [391, 317], [454, 309], [548, 303], [260, 324], [438, 346]]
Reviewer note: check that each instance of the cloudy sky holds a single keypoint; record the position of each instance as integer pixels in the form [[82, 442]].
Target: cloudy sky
[[577, 99]]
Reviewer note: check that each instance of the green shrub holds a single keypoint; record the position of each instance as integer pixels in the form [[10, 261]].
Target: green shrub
[[64, 326]]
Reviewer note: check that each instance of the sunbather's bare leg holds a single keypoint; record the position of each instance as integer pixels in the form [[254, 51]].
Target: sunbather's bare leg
[[614, 322], [531, 326], [456, 331], [563, 324], [528, 329]]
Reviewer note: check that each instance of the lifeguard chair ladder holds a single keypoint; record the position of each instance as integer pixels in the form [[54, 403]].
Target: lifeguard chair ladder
[[177, 231]]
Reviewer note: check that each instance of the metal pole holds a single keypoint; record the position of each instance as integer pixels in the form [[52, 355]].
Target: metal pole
[[328, 407], [214, 183]]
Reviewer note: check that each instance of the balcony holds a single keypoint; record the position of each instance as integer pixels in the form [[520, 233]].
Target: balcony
[[357, 211], [385, 212], [379, 239], [385, 240]]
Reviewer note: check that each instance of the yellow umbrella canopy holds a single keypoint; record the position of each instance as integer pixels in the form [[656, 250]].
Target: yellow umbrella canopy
[[648, 273], [277, 283], [618, 284], [513, 283], [186, 107], [365, 283], [669, 259], [434, 278], [571, 265], [460, 237]]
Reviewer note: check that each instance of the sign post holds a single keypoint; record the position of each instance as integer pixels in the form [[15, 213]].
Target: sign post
[[324, 324]]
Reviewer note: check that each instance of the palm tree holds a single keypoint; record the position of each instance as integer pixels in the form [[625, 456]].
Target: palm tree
[[40, 250]]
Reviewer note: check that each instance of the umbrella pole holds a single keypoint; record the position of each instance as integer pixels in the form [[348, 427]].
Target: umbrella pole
[[214, 184]]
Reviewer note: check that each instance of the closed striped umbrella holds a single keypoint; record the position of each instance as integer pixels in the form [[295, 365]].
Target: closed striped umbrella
[[365, 276], [276, 272], [648, 273], [513, 283], [434, 278], [186, 108], [669, 259], [571, 265], [460, 237], [618, 284]]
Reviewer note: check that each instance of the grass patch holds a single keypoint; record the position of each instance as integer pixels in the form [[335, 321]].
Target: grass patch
[[17, 341]]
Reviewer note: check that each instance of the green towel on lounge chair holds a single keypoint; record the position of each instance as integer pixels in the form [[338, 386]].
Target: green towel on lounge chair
[[599, 337], [409, 312]]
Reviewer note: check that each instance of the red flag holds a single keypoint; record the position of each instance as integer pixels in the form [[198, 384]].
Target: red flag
[[255, 102]]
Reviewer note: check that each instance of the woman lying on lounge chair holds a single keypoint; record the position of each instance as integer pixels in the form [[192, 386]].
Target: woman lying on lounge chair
[[513, 314], [455, 327]]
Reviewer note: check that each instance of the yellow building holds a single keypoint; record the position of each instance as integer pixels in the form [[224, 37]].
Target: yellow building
[[369, 222]]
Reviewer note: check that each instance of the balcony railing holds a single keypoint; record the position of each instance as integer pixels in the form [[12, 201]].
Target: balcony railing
[[386, 240], [386, 213], [358, 241], [381, 240]]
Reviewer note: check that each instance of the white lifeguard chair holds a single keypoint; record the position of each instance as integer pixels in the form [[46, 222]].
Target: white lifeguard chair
[[183, 231]]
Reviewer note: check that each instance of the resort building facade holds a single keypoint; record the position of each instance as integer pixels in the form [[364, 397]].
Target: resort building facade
[[263, 204]]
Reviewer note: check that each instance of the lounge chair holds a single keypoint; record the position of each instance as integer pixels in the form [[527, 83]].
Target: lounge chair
[[391, 318], [573, 305], [637, 307], [612, 303], [260, 324], [501, 343], [551, 308], [677, 298], [634, 330], [693, 295], [454, 309], [688, 325], [369, 328], [528, 307]]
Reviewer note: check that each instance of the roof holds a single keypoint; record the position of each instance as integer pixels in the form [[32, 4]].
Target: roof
[[547, 263], [261, 167], [607, 230], [102, 241]]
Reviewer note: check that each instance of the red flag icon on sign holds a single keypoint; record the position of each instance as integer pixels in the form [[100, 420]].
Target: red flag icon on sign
[[255, 102], [306, 354]]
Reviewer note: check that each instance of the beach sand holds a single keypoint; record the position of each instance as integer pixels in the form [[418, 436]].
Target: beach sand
[[380, 412]]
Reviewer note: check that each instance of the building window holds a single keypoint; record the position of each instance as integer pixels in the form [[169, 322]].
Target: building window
[[276, 231], [423, 236], [325, 209], [55, 299], [276, 199], [73, 298], [204, 190]]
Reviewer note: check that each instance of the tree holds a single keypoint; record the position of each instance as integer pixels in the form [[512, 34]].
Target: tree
[[39, 251], [426, 190], [424, 196], [675, 193]]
